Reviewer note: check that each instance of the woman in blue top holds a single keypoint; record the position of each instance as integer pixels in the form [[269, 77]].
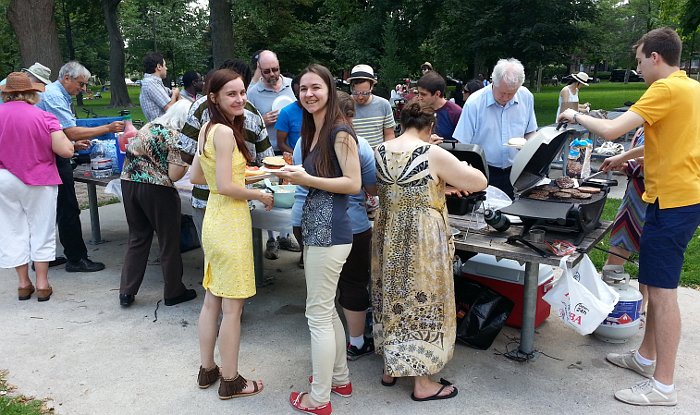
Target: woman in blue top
[[331, 172]]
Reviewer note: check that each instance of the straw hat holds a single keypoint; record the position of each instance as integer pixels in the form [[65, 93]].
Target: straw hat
[[362, 72], [20, 82], [581, 78], [39, 71]]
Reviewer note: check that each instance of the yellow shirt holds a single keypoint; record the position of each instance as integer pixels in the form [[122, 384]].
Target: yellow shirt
[[671, 112]]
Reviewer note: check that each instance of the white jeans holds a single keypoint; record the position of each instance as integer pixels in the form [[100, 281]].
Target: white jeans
[[27, 222], [322, 266]]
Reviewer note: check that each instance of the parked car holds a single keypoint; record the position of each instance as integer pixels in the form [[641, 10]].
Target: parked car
[[618, 75]]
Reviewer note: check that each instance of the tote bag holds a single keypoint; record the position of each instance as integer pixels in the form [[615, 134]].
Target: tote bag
[[580, 297]]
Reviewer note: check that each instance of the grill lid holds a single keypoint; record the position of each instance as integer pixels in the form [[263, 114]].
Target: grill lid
[[531, 164], [471, 153]]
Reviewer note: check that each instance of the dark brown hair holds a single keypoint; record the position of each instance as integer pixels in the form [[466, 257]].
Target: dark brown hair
[[433, 82], [664, 41], [216, 82], [417, 115], [333, 118]]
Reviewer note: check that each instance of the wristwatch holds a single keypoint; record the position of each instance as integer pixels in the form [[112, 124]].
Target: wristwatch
[[575, 115]]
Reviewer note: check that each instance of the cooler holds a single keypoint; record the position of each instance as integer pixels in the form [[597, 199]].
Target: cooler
[[507, 278], [95, 122]]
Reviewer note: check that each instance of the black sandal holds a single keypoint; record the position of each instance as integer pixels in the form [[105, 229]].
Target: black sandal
[[389, 384], [437, 396]]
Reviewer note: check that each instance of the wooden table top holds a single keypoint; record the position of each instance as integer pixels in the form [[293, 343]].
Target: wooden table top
[[489, 241]]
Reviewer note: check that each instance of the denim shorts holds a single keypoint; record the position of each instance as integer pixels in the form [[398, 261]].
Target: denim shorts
[[665, 237]]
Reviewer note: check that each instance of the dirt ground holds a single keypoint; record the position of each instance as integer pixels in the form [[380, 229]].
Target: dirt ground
[[102, 197]]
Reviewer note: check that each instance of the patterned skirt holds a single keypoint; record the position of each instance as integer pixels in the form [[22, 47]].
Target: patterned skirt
[[629, 221]]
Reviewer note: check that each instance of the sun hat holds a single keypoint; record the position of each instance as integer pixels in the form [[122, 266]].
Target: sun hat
[[581, 78], [40, 71], [428, 65], [20, 82], [362, 72]]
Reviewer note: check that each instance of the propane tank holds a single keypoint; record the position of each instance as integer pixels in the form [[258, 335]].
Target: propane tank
[[625, 319]]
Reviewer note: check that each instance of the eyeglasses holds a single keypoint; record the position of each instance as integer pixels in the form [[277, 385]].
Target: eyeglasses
[[361, 93], [270, 70], [83, 84]]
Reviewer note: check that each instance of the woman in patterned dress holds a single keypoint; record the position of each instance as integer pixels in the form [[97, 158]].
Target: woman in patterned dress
[[229, 273], [151, 203], [412, 285], [331, 172], [629, 220]]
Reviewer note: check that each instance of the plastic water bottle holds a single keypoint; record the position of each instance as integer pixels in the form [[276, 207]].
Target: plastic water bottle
[[100, 164]]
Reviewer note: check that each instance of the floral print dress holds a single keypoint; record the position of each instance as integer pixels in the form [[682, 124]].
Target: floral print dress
[[412, 282]]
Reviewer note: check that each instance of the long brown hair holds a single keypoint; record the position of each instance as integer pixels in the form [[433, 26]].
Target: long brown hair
[[216, 82], [333, 118]]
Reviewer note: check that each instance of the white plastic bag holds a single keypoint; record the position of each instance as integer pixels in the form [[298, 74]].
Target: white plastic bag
[[580, 297]]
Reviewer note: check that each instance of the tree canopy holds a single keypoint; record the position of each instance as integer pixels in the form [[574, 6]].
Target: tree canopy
[[459, 37]]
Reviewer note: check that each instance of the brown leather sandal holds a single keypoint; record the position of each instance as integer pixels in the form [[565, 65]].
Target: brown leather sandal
[[208, 377], [44, 294], [233, 388], [25, 293]]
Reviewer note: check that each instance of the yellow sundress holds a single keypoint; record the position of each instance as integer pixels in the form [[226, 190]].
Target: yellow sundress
[[227, 238]]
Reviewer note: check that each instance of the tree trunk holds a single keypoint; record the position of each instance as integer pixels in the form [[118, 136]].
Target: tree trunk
[[221, 23], [69, 32], [35, 28], [120, 93]]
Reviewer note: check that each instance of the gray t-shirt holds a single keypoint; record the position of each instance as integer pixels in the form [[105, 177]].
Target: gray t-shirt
[[262, 98], [370, 120]]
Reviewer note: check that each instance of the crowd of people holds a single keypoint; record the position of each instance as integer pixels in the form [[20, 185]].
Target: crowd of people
[[347, 160]]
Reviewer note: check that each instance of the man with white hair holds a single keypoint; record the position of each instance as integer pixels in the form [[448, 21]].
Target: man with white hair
[[269, 95], [494, 114], [56, 99]]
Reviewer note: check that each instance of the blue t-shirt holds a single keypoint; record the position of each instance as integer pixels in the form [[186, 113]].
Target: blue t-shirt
[[447, 118], [289, 121]]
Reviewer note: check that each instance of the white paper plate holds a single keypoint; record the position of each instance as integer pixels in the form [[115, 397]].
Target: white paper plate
[[281, 102]]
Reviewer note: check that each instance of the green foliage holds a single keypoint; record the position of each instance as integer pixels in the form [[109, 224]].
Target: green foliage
[[11, 404], [82, 34], [9, 50]]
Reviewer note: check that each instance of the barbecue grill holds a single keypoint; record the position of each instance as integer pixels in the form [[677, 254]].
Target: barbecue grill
[[554, 214], [474, 155]]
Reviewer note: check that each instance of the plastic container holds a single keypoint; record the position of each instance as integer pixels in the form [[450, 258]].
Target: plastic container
[[100, 162], [118, 162], [284, 195], [507, 277], [625, 320]]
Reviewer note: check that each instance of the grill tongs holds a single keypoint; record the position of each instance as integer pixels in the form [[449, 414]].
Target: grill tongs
[[517, 238]]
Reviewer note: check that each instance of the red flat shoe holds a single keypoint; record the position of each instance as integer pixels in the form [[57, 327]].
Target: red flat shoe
[[344, 391], [295, 401]]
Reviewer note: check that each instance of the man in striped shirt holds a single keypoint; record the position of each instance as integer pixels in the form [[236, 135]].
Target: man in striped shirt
[[374, 120]]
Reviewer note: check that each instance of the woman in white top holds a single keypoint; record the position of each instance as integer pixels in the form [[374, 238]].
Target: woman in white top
[[569, 94]]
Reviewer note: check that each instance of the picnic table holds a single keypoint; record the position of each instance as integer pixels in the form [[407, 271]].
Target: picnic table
[[489, 241], [83, 174]]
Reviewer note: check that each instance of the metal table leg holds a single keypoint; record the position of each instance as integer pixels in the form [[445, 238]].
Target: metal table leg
[[527, 331], [258, 257], [94, 215]]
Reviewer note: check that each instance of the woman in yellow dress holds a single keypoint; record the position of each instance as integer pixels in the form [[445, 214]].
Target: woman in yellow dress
[[229, 274]]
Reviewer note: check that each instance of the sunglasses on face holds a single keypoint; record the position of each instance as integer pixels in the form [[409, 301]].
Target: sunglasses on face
[[270, 70], [361, 93]]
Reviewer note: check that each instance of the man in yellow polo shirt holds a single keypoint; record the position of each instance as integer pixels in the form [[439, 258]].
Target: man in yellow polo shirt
[[670, 113]]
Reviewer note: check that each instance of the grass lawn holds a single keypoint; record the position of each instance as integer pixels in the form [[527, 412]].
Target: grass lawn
[[690, 276], [603, 95], [102, 109], [16, 404]]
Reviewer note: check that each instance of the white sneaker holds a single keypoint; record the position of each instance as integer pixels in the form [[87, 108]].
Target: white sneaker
[[627, 361], [646, 394]]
